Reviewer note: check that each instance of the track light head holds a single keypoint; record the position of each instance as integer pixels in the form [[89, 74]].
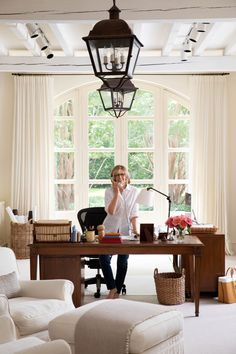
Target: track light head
[[33, 29], [42, 42], [187, 46], [194, 35], [49, 54], [183, 55]]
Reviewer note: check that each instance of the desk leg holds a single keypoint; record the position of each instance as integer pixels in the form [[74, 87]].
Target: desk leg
[[197, 283], [33, 266]]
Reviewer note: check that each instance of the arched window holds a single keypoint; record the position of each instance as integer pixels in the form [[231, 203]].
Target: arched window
[[152, 140]]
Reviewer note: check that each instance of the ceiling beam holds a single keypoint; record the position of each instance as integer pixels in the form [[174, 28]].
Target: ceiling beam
[[174, 30], [81, 65], [68, 51], [204, 40]]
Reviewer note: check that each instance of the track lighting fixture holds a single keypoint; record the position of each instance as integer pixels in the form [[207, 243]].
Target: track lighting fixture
[[192, 37], [35, 32]]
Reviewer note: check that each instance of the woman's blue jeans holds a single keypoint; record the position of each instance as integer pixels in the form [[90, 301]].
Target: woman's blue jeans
[[121, 270]]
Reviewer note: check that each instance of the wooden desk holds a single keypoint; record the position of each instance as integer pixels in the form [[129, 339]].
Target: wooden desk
[[65, 260]]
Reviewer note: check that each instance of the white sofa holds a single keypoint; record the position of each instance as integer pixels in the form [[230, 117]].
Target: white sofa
[[32, 303], [28, 345]]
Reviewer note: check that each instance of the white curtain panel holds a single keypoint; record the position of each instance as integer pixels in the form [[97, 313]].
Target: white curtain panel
[[31, 163], [209, 114]]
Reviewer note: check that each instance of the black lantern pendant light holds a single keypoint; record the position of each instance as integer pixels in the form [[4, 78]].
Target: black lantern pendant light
[[113, 48], [117, 100]]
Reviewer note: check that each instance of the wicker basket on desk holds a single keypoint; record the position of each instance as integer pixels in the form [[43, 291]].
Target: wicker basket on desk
[[170, 287], [52, 231]]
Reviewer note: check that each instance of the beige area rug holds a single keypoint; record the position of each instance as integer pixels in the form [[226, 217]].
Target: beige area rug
[[213, 332]]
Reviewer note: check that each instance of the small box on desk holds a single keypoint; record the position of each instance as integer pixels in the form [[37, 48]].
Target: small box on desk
[[146, 232]]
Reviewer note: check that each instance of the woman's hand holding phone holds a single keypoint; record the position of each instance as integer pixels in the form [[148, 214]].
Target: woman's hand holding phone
[[117, 186]]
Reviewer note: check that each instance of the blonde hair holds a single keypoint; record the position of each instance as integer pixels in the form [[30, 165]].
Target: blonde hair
[[123, 168]]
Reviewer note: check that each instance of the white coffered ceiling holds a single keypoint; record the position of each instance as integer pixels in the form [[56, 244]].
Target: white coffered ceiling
[[160, 25]]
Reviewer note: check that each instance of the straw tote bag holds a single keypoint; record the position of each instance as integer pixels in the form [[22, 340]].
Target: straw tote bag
[[227, 287]]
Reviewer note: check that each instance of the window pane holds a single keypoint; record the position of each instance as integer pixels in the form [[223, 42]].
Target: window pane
[[140, 134], [178, 133], [101, 134], [63, 134], [64, 197], [64, 165], [96, 194], [95, 107], [177, 194], [176, 109], [100, 164], [178, 165], [64, 109], [140, 165], [143, 104]]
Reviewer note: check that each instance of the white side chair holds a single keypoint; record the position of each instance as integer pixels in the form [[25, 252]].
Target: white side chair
[[32, 303]]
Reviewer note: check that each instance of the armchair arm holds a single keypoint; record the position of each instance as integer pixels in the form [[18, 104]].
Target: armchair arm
[[8, 329], [61, 289], [58, 346], [4, 307]]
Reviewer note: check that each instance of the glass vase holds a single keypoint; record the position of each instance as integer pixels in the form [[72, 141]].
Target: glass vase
[[180, 234]]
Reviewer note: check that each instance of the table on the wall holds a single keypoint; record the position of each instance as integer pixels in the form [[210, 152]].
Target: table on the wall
[[65, 260]]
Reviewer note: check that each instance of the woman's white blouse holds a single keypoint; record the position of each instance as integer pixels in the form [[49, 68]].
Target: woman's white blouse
[[126, 209]]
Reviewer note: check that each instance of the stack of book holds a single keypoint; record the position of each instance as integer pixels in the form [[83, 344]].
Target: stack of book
[[112, 237]]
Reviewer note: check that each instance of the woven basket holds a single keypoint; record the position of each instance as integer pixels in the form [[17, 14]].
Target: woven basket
[[170, 287], [52, 232], [21, 237]]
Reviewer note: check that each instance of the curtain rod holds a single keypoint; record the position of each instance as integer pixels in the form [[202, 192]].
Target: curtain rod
[[82, 74]]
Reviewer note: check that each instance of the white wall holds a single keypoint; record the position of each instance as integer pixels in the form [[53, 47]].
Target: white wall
[[65, 82]]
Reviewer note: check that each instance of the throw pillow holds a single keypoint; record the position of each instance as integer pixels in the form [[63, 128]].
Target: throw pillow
[[9, 285]]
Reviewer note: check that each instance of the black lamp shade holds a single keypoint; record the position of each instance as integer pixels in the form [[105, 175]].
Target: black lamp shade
[[117, 101], [113, 48]]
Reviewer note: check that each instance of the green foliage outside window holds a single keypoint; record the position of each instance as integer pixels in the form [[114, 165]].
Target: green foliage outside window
[[100, 164], [95, 107], [140, 165], [143, 104], [101, 134], [140, 133]]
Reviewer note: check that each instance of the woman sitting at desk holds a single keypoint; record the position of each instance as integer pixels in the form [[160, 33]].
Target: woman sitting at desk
[[122, 214]]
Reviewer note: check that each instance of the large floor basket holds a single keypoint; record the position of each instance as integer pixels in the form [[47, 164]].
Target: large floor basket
[[170, 287], [21, 237]]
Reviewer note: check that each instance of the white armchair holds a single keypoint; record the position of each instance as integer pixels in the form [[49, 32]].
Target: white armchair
[[32, 303], [28, 345]]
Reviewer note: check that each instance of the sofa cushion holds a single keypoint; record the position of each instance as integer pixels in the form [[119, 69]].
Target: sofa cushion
[[32, 315], [16, 345], [9, 285]]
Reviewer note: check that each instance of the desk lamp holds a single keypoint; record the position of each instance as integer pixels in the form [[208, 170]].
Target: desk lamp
[[146, 197]]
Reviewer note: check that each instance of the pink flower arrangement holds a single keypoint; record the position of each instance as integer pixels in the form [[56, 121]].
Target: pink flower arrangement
[[180, 222]]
